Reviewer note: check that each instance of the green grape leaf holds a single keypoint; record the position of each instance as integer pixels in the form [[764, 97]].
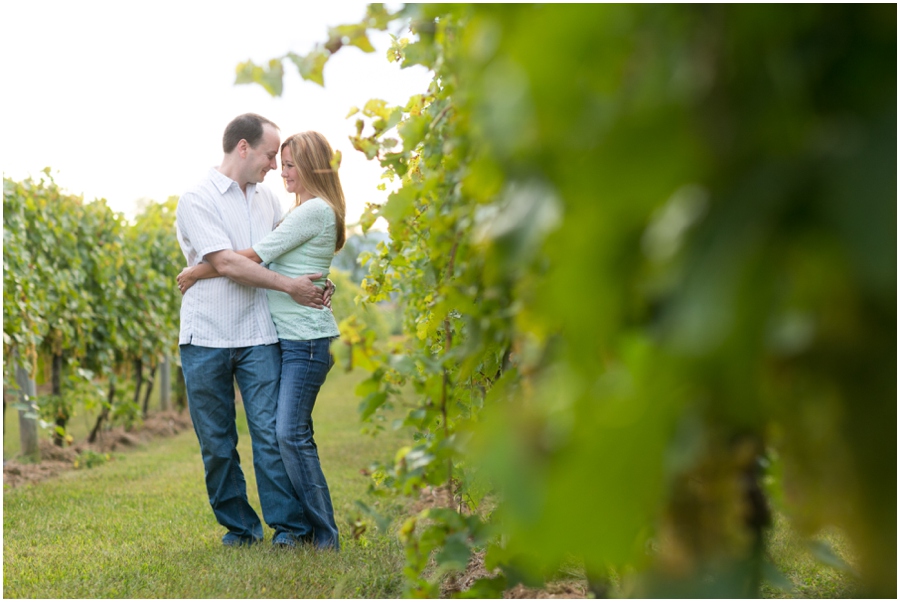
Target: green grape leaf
[[271, 78], [311, 65], [455, 553], [352, 35], [400, 205]]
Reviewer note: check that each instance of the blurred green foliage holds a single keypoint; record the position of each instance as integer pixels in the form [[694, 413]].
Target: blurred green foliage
[[360, 325], [647, 256], [349, 258]]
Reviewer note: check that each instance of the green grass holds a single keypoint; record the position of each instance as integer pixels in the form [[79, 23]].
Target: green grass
[[141, 526], [810, 576]]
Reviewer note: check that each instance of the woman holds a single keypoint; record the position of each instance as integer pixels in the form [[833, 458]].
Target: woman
[[303, 243]]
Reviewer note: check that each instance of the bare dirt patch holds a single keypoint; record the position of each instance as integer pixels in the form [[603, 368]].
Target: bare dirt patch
[[56, 460], [556, 589], [433, 497], [460, 582]]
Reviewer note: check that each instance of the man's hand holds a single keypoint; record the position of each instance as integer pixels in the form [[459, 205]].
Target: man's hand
[[303, 291], [329, 291], [185, 280]]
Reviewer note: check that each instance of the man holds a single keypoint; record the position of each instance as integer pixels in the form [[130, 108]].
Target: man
[[227, 333]]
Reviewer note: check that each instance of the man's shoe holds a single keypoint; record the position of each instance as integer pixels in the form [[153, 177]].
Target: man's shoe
[[284, 540], [235, 541]]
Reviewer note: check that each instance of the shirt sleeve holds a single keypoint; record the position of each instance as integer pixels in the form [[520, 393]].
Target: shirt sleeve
[[200, 226], [299, 226]]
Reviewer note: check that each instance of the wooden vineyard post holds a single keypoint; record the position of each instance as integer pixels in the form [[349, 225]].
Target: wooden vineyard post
[[28, 426], [165, 385]]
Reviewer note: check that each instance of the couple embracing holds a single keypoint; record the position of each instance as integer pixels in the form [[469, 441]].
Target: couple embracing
[[268, 329]]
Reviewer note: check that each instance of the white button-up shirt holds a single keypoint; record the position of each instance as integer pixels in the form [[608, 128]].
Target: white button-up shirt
[[212, 216]]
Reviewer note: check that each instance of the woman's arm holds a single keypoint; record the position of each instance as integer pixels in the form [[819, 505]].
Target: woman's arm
[[201, 271], [300, 225], [249, 254]]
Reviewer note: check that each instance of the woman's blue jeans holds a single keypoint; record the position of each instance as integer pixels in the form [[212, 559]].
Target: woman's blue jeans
[[209, 375], [304, 365]]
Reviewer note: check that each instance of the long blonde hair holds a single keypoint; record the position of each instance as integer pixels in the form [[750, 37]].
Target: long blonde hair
[[313, 157]]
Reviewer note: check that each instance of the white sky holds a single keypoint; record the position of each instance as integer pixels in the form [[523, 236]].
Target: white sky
[[128, 100]]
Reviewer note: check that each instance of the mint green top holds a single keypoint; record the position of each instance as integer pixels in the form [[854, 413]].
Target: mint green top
[[303, 243]]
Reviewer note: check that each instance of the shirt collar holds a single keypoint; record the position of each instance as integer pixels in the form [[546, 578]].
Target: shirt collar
[[223, 182]]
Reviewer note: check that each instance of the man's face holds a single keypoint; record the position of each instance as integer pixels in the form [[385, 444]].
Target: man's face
[[261, 159]]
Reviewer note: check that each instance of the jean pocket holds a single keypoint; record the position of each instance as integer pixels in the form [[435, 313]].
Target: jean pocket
[[322, 351]]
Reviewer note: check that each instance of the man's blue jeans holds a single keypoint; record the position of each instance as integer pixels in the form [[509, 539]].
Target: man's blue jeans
[[304, 365], [209, 375]]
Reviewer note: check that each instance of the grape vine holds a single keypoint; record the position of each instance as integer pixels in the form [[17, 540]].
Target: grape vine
[[86, 290], [647, 256]]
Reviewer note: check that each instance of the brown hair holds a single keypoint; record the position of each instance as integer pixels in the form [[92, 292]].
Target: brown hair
[[313, 157], [248, 126]]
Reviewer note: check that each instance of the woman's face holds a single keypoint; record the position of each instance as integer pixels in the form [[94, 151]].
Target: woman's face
[[289, 172]]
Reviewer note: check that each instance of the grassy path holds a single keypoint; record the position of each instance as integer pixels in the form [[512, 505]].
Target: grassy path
[[141, 526]]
